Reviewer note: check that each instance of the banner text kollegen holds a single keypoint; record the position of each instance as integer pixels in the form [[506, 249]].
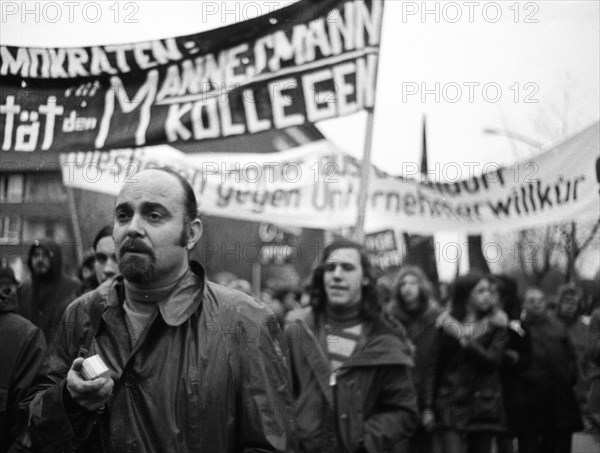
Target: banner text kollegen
[[305, 63]]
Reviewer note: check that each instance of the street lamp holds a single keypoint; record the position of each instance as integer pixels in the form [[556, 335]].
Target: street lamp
[[513, 136]]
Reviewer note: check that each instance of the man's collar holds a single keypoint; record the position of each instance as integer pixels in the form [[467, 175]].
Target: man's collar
[[183, 301], [185, 298]]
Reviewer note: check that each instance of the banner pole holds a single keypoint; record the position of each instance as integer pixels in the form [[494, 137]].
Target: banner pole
[[359, 231], [256, 277], [76, 226]]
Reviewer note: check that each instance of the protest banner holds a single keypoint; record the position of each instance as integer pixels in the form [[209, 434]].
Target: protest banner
[[277, 245], [316, 186], [382, 249], [307, 62]]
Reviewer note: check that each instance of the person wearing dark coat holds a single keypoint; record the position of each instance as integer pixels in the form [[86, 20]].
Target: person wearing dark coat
[[593, 357], [413, 307], [568, 311], [22, 349], [468, 398], [550, 410], [43, 299], [516, 359], [193, 367], [351, 371]]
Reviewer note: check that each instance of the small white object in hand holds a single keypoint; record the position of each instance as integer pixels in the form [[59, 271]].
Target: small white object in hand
[[94, 368]]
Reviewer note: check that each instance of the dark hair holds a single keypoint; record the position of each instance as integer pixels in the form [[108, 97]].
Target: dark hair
[[190, 202], [284, 291], [508, 293], [569, 289], [106, 231], [461, 290], [370, 307], [425, 287], [88, 263]]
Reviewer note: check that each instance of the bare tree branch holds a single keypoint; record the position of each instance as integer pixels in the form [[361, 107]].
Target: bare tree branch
[[589, 238]]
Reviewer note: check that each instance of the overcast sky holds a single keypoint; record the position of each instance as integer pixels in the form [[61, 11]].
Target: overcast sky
[[543, 56]]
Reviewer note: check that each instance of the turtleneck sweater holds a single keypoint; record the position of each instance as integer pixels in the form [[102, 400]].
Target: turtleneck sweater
[[343, 329], [141, 304]]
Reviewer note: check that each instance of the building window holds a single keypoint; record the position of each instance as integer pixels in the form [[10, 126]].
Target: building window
[[11, 188], [44, 187], [10, 229], [49, 229]]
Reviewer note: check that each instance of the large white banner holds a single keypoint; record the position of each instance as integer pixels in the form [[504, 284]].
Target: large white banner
[[317, 186]]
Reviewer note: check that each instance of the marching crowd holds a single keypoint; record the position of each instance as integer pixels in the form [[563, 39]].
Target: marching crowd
[[332, 367]]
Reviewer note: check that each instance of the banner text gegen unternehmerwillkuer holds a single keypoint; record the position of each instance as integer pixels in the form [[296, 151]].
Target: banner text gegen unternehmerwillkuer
[[304, 63], [317, 186]]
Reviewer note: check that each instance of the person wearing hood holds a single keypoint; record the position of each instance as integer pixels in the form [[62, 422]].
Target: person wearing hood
[[43, 299], [22, 348], [412, 306], [351, 371]]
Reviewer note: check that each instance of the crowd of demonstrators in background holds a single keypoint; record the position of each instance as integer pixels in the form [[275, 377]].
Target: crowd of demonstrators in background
[[282, 299], [289, 297], [352, 379], [503, 370], [43, 299], [375, 366]]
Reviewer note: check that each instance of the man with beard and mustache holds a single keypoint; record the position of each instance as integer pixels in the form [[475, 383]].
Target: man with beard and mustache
[[43, 299], [351, 371], [194, 366]]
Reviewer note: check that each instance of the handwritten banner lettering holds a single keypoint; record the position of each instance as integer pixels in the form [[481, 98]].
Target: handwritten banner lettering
[[307, 62], [316, 186]]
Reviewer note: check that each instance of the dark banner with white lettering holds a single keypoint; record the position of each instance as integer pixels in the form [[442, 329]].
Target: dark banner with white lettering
[[307, 62], [382, 249]]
